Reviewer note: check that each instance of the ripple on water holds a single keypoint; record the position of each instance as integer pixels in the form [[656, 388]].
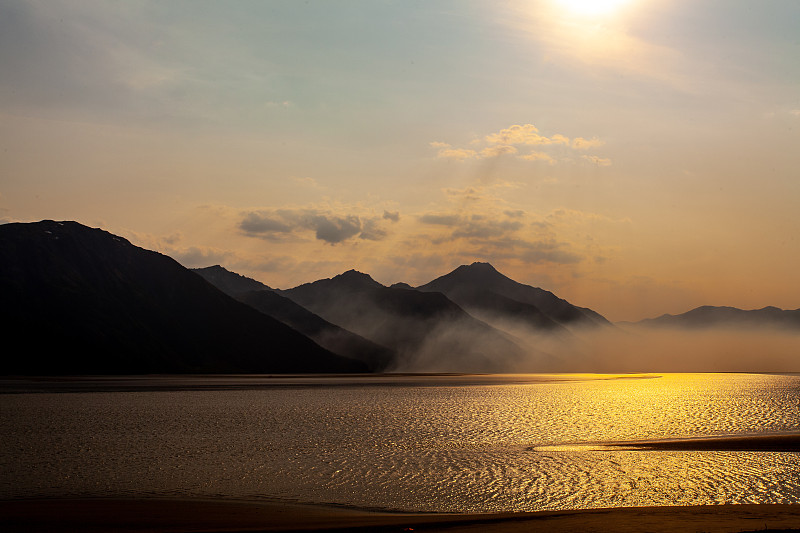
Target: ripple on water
[[433, 448]]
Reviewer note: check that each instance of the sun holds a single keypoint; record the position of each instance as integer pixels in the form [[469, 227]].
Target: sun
[[592, 7]]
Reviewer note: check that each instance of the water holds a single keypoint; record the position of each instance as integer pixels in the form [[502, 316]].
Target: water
[[419, 444]]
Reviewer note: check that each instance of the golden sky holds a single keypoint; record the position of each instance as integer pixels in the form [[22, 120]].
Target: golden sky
[[633, 156]]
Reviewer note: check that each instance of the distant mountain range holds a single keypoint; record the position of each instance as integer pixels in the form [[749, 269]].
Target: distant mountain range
[[330, 336], [709, 316], [79, 300], [426, 330]]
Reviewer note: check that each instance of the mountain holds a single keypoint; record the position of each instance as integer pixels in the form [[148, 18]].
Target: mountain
[[330, 336], [78, 300], [230, 283], [486, 293], [427, 330], [710, 316]]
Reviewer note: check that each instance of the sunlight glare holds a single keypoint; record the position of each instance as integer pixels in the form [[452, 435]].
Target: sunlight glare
[[592, 7]]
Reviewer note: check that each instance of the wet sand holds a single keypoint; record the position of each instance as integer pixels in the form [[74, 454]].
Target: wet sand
[[747, 443], [788, 442], [228, 516]]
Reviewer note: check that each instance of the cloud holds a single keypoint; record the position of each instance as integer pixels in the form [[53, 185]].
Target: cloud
[[254, 223], [456, 153], [479, 227], [485, 232], [524, 134], [506, 141], [538, 156], [327, 226], [498, 150], [311, 183], [372, 231], [199, 256], [394, 216], [335, 229], [579, 143], [440, 220], [599, 161], [547, 251]]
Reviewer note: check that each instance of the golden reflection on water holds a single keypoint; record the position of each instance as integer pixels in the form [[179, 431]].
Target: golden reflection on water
[[439, 443]]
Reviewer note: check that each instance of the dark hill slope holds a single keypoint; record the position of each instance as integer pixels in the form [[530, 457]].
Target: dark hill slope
[[330, 336], [427, 330], [481, 289], [78, 300]]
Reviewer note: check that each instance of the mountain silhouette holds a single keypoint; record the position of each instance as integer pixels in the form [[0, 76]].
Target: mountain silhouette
[[330, 336], [78, 300], [230, 283], [486, 293], [710, 316], [427, 330]]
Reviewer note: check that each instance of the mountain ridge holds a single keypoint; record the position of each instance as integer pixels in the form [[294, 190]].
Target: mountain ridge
[[84, 301], [423, 328], [706, 316], [543, 309], [328, 335]]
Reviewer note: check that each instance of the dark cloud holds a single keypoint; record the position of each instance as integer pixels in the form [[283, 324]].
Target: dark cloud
[[327, 227], [394, 216], [335, 229], [255, 223], [440, 220], [481, 228], [371, 230]]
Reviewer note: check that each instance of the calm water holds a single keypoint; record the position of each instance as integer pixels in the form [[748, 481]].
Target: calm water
[[433, 444]]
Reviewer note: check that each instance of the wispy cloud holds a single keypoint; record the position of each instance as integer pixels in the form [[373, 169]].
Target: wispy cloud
[[599, 161], [579, 143], [538, 156], [484, 231]]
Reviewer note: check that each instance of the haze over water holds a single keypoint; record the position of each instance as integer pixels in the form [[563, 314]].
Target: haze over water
[[446, 443]]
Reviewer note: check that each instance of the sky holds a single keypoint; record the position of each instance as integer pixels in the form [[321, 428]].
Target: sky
[[637, 157]]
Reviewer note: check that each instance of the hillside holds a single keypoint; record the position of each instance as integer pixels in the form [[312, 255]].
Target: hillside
[[78, 300]]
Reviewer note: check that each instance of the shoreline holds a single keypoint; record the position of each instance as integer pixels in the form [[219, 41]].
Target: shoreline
[[184, 515]]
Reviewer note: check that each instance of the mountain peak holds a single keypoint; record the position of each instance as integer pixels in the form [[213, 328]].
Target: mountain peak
[[229, 282], [354, 278], [478, 267], [477, 272]]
